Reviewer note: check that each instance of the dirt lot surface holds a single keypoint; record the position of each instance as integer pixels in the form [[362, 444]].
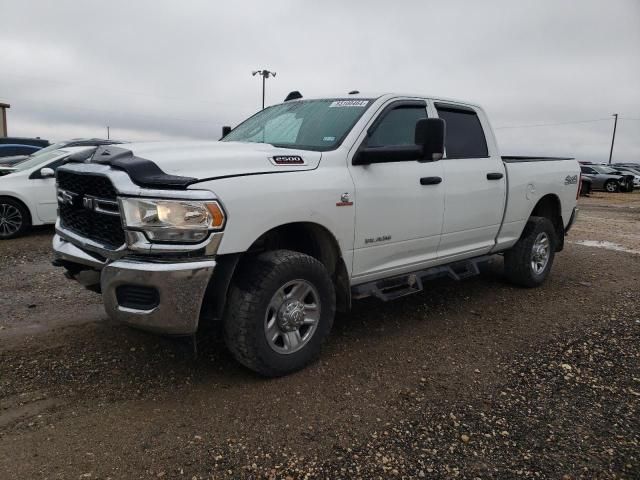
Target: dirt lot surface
[[471, 380]]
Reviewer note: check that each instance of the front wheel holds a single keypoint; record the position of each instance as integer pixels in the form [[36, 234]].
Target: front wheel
[[611, 186], [279, 311], [529, 261], [14, 219]]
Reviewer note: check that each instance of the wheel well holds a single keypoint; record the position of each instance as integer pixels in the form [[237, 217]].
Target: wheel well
[[317, 242], [17, 200], [304, 237], [549, 207]]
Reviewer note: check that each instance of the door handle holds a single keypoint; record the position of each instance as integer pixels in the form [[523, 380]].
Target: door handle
[[494, 176], [430, 180]]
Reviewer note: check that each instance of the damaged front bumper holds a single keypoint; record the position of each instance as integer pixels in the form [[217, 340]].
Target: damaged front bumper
[[148, 293]]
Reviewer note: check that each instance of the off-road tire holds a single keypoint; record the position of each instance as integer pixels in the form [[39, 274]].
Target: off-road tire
[[25, 217], [252, 289], [614, 186], [518, 260]]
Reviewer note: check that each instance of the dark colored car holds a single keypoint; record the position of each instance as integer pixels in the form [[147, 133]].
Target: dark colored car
[[13, 149], [606, 178], [35, 142], [76, 142]]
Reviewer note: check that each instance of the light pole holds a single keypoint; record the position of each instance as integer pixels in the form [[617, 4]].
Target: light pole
[[613, 139], [264, 74]]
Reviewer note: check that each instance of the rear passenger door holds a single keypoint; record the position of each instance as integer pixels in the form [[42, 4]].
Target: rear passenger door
[[475, 185], [398, 214]]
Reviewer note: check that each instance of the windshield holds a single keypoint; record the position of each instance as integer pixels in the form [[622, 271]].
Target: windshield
[[48, 149], [308, 124], [35, 160]]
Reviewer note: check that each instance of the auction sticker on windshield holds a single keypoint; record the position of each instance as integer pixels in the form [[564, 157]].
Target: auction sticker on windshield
[[349, 103]]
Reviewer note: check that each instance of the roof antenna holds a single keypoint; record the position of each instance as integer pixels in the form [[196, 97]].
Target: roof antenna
[[295, 95], [354, 92]]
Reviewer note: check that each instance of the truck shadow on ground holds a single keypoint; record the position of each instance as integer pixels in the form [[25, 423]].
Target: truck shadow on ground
[[106, 359]]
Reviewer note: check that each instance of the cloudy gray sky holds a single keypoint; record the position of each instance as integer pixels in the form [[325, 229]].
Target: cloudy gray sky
[[169, 69]]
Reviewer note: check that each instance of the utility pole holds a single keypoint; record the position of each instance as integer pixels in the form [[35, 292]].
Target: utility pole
[[613, 139], [108, 133], [264, 74]]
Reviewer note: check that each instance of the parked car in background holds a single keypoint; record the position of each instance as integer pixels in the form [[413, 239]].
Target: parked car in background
[[13, 149], [605, 178], [76, 142], [36, 142], [632, 166], [628, 171], [28, 192]]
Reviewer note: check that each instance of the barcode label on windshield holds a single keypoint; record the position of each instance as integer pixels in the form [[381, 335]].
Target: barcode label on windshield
[[349, 103]]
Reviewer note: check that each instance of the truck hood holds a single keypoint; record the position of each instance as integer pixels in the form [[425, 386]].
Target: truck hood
[[209, 160]]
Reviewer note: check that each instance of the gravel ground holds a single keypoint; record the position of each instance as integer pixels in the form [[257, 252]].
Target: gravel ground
[[471, 380]]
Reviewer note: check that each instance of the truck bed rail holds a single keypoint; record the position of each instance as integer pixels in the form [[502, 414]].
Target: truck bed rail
[[517, 159]]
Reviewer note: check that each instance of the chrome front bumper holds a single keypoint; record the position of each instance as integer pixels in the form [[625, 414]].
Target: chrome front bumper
[[180, 287]]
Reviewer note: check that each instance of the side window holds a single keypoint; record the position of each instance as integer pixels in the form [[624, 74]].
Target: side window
[[464, 135], [397, 127], [587, 170]]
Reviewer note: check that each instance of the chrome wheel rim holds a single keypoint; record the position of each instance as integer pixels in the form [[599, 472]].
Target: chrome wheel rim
[[292, 316], [611, 187], [10, 220], [540, 253]]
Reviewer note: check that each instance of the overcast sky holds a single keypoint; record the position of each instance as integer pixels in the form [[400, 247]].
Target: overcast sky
[[169, 69]]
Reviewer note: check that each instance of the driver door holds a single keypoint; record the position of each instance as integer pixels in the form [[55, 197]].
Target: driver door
[[399, 204], [44, 190]]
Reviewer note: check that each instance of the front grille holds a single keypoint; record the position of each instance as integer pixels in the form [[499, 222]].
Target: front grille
[[95, 185], [84, 220]]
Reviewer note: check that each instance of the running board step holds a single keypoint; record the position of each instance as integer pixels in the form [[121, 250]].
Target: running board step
[[399, 286]]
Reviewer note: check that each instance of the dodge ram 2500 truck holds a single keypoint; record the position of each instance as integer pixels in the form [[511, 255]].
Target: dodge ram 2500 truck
[[300, 209]]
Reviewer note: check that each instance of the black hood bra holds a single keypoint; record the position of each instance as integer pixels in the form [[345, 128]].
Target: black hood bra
[[143, 172]]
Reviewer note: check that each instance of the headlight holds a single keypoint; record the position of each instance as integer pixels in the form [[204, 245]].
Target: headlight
[[183, 221]]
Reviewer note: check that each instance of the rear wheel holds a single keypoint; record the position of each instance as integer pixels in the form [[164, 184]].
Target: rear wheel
[[279, 312], [14, 219], [529, 261], [611, 186]]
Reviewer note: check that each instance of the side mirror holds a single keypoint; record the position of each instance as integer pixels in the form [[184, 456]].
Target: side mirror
[[47, 172], [225, 131], [430, 134], [392, 153]]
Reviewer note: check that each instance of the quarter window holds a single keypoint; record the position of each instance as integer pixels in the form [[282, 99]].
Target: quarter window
[[464, 135]]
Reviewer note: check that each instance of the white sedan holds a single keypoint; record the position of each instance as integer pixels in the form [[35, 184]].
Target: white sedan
[[28, 192]]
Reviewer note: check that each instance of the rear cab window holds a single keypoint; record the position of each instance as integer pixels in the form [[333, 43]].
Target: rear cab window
[[465, 137]]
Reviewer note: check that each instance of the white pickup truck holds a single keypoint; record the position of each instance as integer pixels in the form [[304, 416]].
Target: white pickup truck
[[300, 209]]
